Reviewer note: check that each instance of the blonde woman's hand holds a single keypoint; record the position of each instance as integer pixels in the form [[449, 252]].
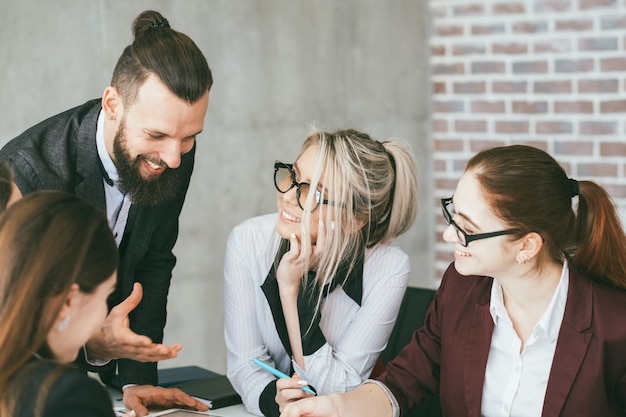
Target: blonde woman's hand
[[289, 390], [291, 267]]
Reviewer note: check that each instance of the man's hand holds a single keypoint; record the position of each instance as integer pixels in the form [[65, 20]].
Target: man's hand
[[139, 397], [116, 340]]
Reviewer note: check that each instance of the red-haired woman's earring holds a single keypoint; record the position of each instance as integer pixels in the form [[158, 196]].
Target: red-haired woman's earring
[[64, 324]]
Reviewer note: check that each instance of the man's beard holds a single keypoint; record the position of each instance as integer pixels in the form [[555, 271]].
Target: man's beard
[[150, 191]]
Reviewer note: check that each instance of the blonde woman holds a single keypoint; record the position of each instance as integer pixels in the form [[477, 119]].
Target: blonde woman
[[314, 289]]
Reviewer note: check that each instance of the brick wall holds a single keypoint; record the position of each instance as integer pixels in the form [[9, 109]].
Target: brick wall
[[548, 73]]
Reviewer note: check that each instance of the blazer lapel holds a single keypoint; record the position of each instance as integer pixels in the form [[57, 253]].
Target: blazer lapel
[[477, 352], [572, 344], [87, 166]]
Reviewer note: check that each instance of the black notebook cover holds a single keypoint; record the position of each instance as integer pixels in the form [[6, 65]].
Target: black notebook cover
[[176, 376], [216, 389]]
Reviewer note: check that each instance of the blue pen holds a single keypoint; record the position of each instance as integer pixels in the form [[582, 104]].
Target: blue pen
[[279, 374]]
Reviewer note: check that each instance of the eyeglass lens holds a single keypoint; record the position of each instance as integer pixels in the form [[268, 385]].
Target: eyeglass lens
[[448, 212], [284, 180]]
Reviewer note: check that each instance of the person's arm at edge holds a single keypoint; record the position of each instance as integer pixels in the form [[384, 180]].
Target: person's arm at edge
[[367, 400]]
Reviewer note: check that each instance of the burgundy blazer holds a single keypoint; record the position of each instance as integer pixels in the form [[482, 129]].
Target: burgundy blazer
[[448, 355]]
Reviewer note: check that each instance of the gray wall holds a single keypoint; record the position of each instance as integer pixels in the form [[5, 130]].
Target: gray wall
[[279, 66]]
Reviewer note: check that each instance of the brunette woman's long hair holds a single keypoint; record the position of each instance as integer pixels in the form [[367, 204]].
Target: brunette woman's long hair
[[49, 240]]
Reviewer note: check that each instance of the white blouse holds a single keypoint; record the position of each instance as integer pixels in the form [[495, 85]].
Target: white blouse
[[515, 383], [355, 335]]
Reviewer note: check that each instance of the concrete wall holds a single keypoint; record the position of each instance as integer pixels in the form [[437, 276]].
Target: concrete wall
[[279, 66]]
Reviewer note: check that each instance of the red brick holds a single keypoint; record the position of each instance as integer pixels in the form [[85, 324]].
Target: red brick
[[469, 87], [440, 226], [446, 183], [455, 106], [487, 29], [470, 126], [598, 86], [613, 64], [469, 49], [597, 169], [615, 190], [448, 69], [530, 67], [567, 166], [530, 27], [449, 30], [509, 8], [439, 87], [598, 128], [479, 145], [541, 144], [438, 50], [553, 5], [595, 4], [574, 25], [530, 107], [554, 127], [613, 22], [598, 44], [447, 255], [448, 145], [507, 87], [440, 125], [573, 65], [468, 10], [559, 45], [573, 148], [613, 106], [484, 106], [509, 48], [613, 149], [458, 165], [552, 87], [512, 127], [488, 67], [439, 165], [573, 106]]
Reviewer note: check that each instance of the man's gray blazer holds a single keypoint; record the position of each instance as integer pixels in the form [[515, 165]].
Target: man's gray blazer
[[60, 154]]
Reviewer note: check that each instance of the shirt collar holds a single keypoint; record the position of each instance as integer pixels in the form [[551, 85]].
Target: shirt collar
[[109, 171], [496, 304]]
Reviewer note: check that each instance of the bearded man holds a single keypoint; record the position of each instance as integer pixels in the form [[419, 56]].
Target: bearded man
[[131, 153]]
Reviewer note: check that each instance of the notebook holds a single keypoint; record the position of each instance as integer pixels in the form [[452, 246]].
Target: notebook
[[175, 376], [217, 390]]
